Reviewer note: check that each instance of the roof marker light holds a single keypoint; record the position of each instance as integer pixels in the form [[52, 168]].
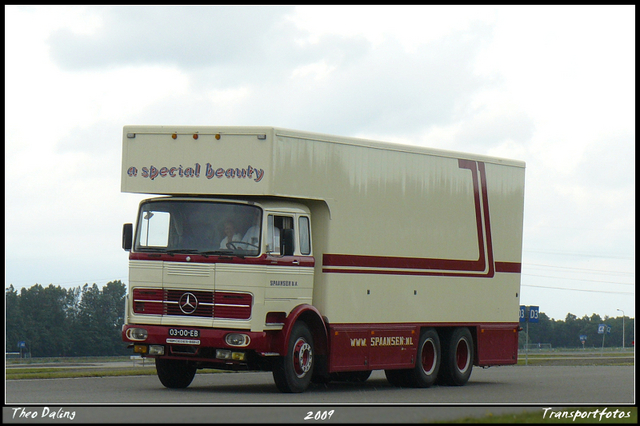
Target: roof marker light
[[174, 136]]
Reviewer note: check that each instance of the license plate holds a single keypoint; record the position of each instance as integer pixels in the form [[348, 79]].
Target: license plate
[[184, 332]]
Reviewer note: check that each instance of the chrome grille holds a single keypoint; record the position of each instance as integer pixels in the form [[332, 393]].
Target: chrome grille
[[210, 304]]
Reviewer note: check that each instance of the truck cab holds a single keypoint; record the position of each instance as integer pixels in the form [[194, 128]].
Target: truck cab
[[230, 266]]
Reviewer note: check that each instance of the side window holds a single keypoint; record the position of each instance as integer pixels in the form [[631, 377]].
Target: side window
[[305, 235], [275, 227], [273, 245]]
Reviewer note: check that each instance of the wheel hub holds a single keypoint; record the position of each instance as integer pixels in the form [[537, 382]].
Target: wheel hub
[[303, 357]]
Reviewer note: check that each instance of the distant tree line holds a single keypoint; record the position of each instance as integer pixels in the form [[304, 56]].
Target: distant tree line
[[566, 333], [87, 321], [59, 322]]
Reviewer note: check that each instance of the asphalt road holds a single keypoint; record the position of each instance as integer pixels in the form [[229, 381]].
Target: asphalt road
[[253, 397]]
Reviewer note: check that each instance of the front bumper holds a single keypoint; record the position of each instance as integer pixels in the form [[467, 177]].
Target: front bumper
[[199, 344]]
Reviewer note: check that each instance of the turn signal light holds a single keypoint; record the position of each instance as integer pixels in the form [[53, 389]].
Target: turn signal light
[[227, 354], [238, 356], [140, 349]]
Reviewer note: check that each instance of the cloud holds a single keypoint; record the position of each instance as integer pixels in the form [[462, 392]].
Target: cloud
[[552, 86], [258, 51], [357, 87], [187, 37]]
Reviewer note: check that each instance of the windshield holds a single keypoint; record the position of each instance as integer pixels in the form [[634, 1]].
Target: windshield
[[198, 227]]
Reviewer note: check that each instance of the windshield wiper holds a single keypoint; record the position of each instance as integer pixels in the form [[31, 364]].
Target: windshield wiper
[[176, 251], [222, 253], [205, 253]]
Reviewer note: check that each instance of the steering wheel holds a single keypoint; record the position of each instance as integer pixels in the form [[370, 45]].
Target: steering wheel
[[232, 244]]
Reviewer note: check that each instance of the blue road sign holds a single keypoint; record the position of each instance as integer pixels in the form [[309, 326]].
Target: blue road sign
[[534, 313]]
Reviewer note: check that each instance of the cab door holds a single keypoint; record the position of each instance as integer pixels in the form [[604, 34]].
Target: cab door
[[289, 262]]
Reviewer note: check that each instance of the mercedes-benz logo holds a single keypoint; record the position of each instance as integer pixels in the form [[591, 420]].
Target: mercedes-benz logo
[[188, 303]]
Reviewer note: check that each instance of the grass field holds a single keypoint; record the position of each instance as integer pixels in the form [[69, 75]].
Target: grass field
[[576, 358], [56, 368], [57, 373]]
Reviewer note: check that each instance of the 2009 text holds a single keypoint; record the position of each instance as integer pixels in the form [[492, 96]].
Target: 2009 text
[[319, 415]]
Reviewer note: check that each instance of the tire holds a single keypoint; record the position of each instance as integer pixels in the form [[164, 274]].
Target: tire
[[425, 373], [399, 378], [320, 374], [175, 374], [292, 373], [427, 367], [321, 379], [457, 359]]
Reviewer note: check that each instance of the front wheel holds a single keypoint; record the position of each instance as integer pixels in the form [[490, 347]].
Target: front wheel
[[292, 373], [175, 374]]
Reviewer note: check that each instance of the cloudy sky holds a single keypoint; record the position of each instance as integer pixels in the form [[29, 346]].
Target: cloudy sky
[[552, 86]]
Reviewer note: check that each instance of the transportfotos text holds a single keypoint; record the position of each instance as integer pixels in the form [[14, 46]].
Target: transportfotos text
[[153, 172], [597, 414]]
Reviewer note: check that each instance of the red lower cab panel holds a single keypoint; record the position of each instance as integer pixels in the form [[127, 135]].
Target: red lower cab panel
[[205, 346]]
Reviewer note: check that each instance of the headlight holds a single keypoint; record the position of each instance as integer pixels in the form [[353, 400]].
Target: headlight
[[227, 354], [237, 339], [156, 350], [137, 334]]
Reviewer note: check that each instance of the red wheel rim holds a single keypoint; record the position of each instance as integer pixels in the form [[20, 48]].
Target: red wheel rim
[[462, 355], [302, 357], [428, 356]]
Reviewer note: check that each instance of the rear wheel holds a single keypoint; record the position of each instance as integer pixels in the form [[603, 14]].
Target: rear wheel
[[457, 361], [293, 372], [428, 363], [175, 374], [425, 371], [399, 378]]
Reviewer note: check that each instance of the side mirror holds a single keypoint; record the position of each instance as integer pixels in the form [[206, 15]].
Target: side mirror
[[127, 236], [288, 237]]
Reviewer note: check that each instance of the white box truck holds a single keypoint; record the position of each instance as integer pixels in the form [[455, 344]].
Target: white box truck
[[319, 257]]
